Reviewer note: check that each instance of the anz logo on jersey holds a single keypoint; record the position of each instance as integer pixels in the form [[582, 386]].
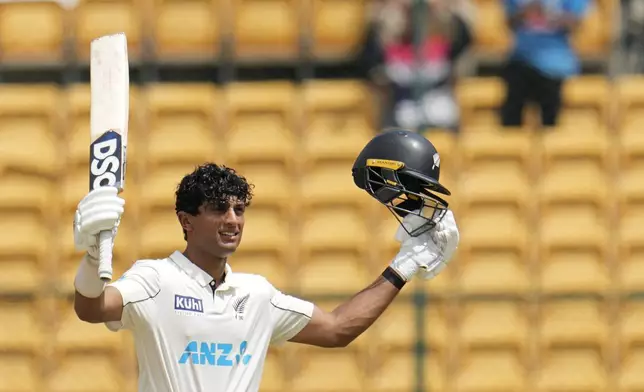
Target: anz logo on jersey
[[215, 354]]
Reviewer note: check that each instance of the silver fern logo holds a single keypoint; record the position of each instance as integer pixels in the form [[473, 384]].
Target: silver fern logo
[[239, 305]]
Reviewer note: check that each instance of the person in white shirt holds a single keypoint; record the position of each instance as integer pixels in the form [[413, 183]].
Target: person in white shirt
[[200, 326]]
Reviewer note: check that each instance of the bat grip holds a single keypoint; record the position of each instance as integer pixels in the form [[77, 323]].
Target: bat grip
[[105, 255]]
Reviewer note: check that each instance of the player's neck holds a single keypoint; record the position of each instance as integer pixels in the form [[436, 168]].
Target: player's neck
[[214, 266]]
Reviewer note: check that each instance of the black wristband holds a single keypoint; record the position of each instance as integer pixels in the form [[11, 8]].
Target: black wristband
[[394, 278]]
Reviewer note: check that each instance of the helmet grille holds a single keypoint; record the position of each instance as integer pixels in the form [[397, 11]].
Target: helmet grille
[[403, 195]]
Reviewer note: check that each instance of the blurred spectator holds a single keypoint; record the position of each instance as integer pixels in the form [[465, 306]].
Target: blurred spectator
[[542, 58], [401, 73]]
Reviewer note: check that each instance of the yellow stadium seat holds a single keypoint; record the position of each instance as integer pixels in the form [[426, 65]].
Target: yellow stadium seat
[[499, 185], [573, 323], [20, 41], [396, 328], [491, 370], [333, 273], [445, 143], [476, 95], [24, 228], [583, 119], [491, 32], [631, 146], [510, 231], [394, 372], [273, 376], [574, 229], [493, 145], [19, 373], [328, 40], [73, 335], [161, 183], [21, 192], [260, 138], [327, 229], [493, 324], [198, 39], [438, 330], [576, 271], [86, 373], [574, 143], [338, 120], [588, 92], [493, 272], [324, 370], [631, 250], [593, 37], [566, 370], [274, 185], [180, 113], [21, 326], [630, 324], [29, 116], [571, 184], [266, 230], [630, 103], [267, 29], [266, 264], [630, 377], [20, 275], [77, 134], [436, 380], [260, 122], [95, 18], [332, 185], [573, 246], [161, 235]]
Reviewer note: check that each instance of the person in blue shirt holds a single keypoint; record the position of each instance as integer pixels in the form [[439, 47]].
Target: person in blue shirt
[[542, 57]]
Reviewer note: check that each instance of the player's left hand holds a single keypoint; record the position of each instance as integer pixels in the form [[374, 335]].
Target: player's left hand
[[429, 253]]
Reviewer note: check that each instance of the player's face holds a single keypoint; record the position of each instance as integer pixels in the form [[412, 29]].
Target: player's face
[[219, 227]]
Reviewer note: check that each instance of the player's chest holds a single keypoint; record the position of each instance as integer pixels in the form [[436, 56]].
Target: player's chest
[[198, 313]]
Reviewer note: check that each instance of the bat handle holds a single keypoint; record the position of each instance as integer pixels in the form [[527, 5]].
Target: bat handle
[[105, 255]]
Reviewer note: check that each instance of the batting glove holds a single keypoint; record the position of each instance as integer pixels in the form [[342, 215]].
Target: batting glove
[[99, 210], [429, 253]]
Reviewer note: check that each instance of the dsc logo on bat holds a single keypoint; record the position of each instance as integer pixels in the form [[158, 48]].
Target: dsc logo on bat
[[105, 160]]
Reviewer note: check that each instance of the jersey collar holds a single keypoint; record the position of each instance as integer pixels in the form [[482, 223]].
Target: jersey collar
[[201, 276]]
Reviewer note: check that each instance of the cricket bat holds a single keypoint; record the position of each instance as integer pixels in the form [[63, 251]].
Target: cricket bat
[[109, 113]]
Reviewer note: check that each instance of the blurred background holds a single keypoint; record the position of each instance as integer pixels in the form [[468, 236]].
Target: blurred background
[[544, 293]]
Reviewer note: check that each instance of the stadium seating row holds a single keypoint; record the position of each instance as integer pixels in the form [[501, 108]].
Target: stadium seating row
[[182, 30], [474, 346], [257, 29]]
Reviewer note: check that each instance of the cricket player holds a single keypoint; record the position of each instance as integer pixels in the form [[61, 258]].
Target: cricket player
[[200, 326]]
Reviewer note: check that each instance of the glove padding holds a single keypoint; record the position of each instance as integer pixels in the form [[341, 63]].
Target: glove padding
[[429, 253], [99, 210]]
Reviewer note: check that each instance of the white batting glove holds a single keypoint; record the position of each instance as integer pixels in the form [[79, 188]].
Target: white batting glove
[[429, 253], [99, 210]]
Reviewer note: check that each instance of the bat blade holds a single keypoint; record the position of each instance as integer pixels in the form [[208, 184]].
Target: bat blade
[[109, 114]]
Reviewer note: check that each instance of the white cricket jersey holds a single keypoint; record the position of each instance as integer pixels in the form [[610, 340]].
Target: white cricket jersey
[[190, 338]]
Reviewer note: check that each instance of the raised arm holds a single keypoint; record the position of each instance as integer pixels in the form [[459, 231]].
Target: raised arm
[[425, 255], [349, 320], [99, 210]]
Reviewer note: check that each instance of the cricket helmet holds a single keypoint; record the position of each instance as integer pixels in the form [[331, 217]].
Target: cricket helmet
[[401, 170]]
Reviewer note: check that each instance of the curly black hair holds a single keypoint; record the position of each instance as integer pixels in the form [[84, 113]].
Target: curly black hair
[[211, 185]]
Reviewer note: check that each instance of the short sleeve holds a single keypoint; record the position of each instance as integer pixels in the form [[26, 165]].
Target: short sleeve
[[138, 284], [289, 315]]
